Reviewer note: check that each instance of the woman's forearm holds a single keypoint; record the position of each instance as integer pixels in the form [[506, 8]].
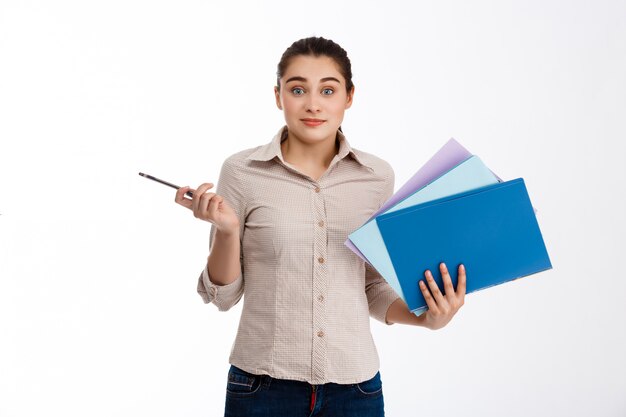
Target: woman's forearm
[[398, 312], [224, 262]]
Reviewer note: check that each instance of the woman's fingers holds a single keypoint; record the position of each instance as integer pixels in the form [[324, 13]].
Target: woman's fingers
[[214, 206], [447, 281], [430, 302], [461, 285], [198, 196], [442, 308], [434, 289], [203, 207], [180, 197]]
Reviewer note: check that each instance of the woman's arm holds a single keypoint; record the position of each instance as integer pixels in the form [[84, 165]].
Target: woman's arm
[[398, 312], [224, 265], [221, 281]]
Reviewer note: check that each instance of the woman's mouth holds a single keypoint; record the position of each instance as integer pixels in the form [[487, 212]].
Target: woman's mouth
[[312, 122]]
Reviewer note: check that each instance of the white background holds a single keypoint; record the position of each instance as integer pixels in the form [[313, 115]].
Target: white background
[[99, 314]]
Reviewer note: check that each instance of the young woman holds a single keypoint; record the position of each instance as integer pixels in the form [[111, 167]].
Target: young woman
[[280, 217]]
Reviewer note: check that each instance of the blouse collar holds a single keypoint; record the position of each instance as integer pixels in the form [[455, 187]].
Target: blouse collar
[[272, 150]]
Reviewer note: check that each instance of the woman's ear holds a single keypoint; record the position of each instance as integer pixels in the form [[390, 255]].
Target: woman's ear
[[350, 97], [277, 95]]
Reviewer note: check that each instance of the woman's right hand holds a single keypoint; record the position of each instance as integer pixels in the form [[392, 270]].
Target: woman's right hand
[[209, 207]]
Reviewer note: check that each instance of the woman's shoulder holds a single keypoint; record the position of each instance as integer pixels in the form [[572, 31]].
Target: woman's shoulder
[[377, 164], [235, 168], [240, 158], [262, 152]]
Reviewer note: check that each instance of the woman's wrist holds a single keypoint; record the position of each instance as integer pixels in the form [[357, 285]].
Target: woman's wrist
[[399, 312], [228, 233]]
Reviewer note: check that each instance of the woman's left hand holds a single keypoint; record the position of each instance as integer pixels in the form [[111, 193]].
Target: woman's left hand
[[441, 308]]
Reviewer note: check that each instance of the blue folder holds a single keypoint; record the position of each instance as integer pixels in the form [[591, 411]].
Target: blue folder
[[493, 231]]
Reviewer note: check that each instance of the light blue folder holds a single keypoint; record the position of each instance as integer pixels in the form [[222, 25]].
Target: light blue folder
[[468, 175]]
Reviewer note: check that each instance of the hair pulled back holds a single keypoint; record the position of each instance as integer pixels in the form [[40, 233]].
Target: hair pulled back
[[317, 46]]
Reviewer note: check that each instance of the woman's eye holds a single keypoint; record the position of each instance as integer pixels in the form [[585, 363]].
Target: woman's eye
[[327, 91], [297, 91]]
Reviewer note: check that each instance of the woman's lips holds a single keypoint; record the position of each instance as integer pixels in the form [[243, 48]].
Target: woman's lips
[[312, 122]]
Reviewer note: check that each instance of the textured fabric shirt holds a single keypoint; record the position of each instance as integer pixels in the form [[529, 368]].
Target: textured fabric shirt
[[307, 297]]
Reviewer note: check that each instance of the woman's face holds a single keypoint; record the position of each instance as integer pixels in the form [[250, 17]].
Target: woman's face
[[313, 98]]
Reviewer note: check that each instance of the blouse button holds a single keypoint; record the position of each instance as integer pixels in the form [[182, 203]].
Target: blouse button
[[317, 189], [321, 223], [320, 334], [320, 298], [320, 260]]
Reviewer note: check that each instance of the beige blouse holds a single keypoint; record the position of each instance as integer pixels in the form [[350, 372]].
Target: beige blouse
[[307, 297]]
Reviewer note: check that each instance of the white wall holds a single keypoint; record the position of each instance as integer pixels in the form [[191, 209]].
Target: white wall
[[99, 314]]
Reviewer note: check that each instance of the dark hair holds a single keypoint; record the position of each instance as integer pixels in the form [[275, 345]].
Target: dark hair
[[317, 46]]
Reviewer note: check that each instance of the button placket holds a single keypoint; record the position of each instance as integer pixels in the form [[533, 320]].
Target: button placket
[[320, 283]]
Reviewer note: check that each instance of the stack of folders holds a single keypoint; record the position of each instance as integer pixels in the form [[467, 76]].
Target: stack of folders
[[453, 210]]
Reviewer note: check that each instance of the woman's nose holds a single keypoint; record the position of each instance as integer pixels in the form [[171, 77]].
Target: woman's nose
[[313, 103]]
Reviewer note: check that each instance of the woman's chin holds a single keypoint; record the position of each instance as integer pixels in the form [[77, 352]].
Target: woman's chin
[[315, 134]]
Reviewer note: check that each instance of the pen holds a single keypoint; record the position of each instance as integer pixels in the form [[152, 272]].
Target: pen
[[150, 177]]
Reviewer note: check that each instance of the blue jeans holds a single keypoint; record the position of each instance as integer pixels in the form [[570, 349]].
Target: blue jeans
[[250, 395]]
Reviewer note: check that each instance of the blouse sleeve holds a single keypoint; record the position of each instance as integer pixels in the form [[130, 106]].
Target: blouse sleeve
[[380, 295], [225, 296]]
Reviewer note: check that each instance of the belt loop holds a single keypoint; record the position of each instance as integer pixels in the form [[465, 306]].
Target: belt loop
[[266, 380]]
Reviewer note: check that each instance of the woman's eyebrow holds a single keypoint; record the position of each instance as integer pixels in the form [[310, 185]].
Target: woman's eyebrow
[[302, 79], [323, 80]]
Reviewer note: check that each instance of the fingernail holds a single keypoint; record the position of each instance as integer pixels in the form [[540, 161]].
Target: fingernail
[[443, 265], [462, 268]]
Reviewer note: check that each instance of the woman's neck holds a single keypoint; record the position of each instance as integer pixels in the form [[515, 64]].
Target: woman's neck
[[309, 155]]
